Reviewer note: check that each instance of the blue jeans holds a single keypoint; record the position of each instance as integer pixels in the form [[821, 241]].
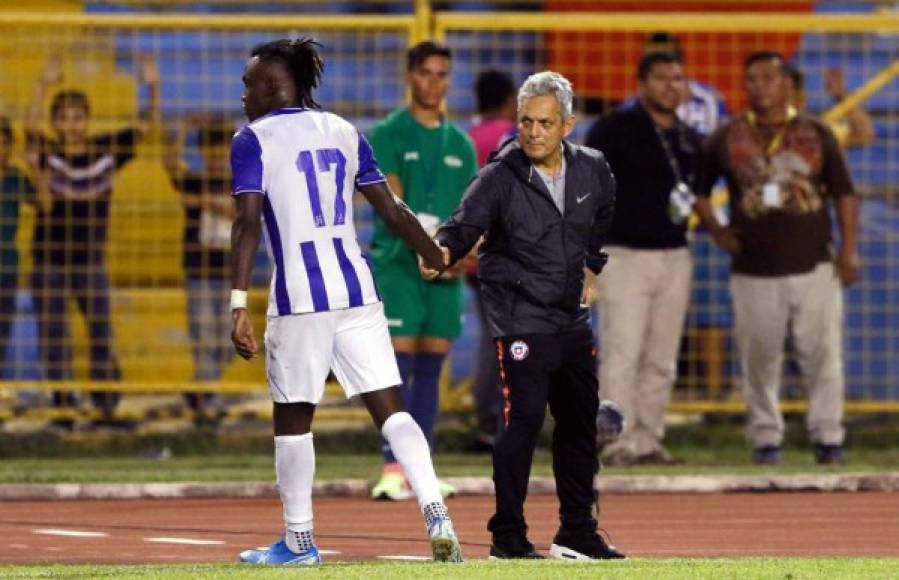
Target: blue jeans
[[8, 280], [88, 284], [210, 330]]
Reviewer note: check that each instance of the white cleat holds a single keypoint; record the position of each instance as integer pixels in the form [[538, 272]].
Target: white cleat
[[444, 543]]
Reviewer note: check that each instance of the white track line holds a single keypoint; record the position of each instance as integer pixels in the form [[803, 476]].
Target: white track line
[[414, 558], [186, 541], [70, 533]]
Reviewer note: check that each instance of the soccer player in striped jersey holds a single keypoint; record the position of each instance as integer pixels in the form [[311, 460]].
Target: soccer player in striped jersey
[[295, 168]]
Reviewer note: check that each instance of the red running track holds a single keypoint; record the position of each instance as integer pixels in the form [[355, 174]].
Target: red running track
[[131, 531]]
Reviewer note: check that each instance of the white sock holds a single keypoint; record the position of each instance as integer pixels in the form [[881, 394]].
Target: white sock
[[295, 469], [410, 448]]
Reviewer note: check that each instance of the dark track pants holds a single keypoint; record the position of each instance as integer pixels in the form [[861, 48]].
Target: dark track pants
[[536, 369]]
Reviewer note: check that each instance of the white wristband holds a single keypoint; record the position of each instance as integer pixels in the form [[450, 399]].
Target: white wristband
[[238, 299]]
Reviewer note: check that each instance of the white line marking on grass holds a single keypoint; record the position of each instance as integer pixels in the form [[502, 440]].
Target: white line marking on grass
[[70, 533], [187, 541], [413, 558]]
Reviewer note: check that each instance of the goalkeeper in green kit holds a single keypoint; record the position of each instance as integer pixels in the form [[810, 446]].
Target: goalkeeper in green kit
[[428, 162]]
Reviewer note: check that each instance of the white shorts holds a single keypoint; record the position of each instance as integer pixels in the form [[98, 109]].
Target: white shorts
[[354, 343]]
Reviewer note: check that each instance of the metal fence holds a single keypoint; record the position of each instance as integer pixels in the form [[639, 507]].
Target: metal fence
[[156, 324]]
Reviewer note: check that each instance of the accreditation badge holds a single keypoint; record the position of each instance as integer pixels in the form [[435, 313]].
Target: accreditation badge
[[429, 222], [215, 231], [680, 203], [771, 197]]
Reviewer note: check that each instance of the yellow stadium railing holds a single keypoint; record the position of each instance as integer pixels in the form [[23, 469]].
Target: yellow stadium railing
[[880, 23], [864, 92], [209, 22]]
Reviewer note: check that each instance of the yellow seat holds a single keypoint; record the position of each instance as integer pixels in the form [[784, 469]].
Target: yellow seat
[[152, 341], [146, 227], [150, 332]]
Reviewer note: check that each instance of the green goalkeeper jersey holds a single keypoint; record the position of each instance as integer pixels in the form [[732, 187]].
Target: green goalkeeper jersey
[[434, 165]]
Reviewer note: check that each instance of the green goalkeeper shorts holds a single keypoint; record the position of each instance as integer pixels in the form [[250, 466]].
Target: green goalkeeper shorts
[[419, 308]]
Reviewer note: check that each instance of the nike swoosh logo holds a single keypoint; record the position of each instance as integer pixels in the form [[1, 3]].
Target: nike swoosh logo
[[581, 198]]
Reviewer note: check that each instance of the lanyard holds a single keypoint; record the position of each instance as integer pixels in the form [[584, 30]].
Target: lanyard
[[669, 154], [430, 165], [777, 141]]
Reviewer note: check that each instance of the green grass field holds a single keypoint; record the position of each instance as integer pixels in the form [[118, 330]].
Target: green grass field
[[260, 467], [713, 450], [209, 456], [644, 569]]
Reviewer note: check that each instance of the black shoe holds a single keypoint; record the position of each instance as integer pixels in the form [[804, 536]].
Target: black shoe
[[766, 455], [582, 545], [829, 454], [513, 549]]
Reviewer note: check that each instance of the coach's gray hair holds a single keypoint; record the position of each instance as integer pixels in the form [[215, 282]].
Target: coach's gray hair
[[548, 83]]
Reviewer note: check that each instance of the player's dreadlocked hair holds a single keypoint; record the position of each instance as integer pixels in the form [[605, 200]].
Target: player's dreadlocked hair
[[301, 57]]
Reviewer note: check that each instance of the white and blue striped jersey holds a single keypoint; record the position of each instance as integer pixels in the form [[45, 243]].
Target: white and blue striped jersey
[[703, 110], [307, 165]]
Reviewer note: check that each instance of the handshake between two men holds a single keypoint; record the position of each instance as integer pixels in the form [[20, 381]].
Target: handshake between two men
[[449, 270]]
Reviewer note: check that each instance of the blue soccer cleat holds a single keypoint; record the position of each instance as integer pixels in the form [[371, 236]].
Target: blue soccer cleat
[[278, 554]]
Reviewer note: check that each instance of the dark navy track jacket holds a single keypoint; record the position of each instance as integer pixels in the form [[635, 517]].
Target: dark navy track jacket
[[532, 259]]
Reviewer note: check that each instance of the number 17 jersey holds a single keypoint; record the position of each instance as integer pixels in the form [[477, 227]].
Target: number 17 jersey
[[306, 164]]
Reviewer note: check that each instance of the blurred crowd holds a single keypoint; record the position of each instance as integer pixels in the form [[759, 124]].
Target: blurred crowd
[[670, 146]]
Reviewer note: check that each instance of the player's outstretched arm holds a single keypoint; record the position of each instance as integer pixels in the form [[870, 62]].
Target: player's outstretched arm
[[245, 233], [861, 127], [474, 216], [151, 119], [401, 221], [51, 75]]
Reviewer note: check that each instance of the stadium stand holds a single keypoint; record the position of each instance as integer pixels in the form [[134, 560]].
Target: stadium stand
[[199, 56]]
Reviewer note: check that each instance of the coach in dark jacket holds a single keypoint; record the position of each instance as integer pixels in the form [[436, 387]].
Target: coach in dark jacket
[[543, 207], [533, 256]]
